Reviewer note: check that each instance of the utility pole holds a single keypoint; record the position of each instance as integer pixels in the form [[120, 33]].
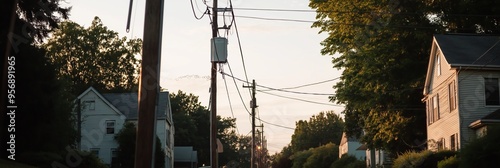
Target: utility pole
[[261, 149], [149, 87], [213, 94], [253, 105]]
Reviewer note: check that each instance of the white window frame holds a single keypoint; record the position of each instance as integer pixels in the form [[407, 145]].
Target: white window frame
[[112, 126]]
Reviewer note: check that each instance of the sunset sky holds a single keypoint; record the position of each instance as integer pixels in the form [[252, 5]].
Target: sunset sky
[[277, 54]]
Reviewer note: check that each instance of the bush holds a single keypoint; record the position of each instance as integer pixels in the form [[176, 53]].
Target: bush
[[482, 152], [411, 159], [39, 159], [347, 161], [450, 162]]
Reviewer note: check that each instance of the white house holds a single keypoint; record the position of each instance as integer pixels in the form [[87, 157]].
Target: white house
[[461, 88], [102, 116], [349, 146]]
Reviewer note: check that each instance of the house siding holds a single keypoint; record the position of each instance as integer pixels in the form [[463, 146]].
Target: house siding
[[472, 104], [93, 126], [447, 124]]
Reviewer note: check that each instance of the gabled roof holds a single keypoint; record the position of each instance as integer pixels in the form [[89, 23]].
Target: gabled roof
[[470, 50], [91, 89], [127, 104], [467, 51]]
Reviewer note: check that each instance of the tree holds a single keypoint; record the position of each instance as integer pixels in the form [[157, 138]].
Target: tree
[[94, 56], [43, 118], [318, 157], [32, 20], [384, 49], [192, 128], [327, 124], [282, 159], [126, 148]]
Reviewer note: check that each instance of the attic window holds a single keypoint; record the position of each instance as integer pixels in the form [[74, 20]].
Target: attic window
[[90, 104], [438, 65]]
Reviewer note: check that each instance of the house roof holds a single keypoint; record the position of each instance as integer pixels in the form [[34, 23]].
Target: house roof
[[91, 89], [492, 118], [470, 50], [126, 103]]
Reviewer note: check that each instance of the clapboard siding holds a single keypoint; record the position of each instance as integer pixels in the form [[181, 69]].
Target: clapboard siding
[[472, 104]]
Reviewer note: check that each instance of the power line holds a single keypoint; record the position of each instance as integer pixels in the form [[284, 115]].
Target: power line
[[270, 88], [277, 125], [308, 101], [239, 42], [194, 13], [311, 84], [230, 104]]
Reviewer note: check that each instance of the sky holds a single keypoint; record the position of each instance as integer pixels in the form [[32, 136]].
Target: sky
[[277, 54]]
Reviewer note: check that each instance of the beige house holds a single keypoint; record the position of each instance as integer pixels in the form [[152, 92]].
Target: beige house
[[461, 88]]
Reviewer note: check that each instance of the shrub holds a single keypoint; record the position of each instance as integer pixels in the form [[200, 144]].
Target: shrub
[[482, 152], [450, 162], [422, 159], [348, 161], [411, 159]]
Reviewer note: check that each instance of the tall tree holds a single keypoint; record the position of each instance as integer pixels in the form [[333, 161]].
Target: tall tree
[[192, 128], [126, 148], [94, 56], [31, 20], [327, 124], [384, 48]]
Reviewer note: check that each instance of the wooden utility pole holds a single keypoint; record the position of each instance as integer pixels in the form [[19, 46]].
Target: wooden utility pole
[[149, 87], [213, 94], [253, 105]]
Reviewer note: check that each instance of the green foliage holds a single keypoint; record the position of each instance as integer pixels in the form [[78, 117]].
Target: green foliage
[[94, 56], [450, 162], [482, 152], [90, 160], [44, 120], [322, 156], [126, 139], [327, 124], [192, 128], [282, 159], [383, 49], [348, 161], [300, 158], [421, 159]]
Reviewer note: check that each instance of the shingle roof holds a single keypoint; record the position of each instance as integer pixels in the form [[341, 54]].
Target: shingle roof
[[469, 50], [127, 104]]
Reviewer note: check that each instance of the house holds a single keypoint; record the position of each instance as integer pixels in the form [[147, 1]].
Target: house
[[185, 157], [461, 88], [349, 146], [101, 117]]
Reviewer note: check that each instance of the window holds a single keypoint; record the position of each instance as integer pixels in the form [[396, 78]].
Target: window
[[438, 64], [90, 104], [454, 142], [452, 99], [433, 109], [491, 93], [110, 127], [114, 158], [441, 144], [95, 151]]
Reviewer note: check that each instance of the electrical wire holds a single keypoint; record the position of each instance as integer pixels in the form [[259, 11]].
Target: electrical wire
[[230, 104], [239, 43], [194, 13], [311, 84], [308, 101], [306, 93]]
